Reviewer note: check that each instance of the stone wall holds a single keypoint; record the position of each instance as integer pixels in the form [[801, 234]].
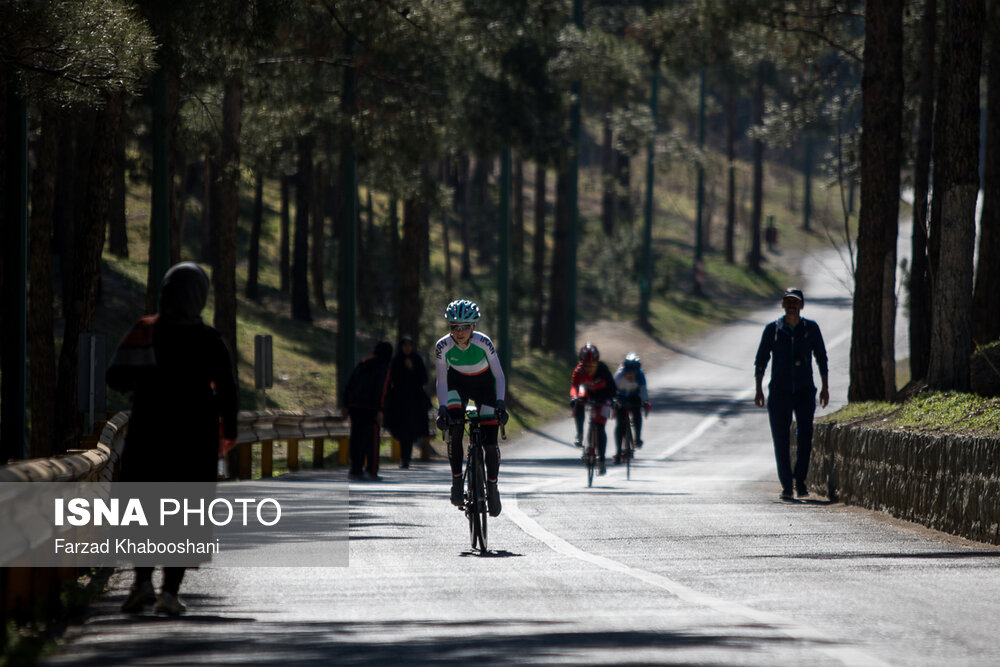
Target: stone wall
[[946, 482]]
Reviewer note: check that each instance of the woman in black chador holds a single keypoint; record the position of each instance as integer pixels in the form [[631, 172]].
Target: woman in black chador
[[408, 403]]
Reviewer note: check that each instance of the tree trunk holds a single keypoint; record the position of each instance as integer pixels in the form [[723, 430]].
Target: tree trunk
[[65, 205], [394, 240], [985, 313], [608, 198], [316, 249], [224, 275], [41, 345], [517, 195], [256, 223], [920, 280], [758, 174], [83, 140], [951, 326], [89, 242], [284, 243], [174, 165], [444, 174], [872, 341], [117, 226], [623, 196], [300, 252], [538, 261], [481, 197], [410, 252], [367, 287], [207, 202], [555, 331], [466, 189], [730, 242]]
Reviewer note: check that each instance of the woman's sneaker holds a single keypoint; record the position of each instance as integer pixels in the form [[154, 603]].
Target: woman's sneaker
[[457, 496], [139, 597], [168, 604]]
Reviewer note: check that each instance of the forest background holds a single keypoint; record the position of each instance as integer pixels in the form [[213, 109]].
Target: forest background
[[348, 167]]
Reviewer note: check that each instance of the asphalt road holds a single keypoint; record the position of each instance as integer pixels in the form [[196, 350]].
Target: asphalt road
[[694, 560]]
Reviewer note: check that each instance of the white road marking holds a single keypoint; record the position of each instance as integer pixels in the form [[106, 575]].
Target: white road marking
[[847, 655]]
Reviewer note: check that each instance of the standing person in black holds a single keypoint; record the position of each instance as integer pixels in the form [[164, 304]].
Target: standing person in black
[[408, 403], [180, 373], [364, 400], [791, 342]]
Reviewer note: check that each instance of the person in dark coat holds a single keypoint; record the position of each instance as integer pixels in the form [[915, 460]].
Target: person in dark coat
[[179, 371], [408, 403], [364, 399]]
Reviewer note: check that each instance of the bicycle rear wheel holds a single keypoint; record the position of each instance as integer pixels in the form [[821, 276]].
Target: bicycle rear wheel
[[627, 449], [591, 454]]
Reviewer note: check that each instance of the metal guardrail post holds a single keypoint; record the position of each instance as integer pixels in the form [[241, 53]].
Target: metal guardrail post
[[244, 468], [343, 450], [292, 447], [267, 458], [318, 452]]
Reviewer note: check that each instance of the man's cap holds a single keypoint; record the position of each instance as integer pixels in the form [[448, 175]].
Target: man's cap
[[795, 293]]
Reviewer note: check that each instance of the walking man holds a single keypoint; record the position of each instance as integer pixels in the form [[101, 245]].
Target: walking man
[[788, 343]]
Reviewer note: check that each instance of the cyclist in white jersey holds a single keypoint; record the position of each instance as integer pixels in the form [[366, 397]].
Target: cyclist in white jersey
[[468, 369]]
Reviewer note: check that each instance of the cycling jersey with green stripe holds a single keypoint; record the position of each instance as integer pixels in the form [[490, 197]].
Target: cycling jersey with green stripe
[[480, 356]]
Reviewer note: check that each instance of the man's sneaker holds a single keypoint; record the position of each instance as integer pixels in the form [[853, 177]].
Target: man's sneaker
[[140, 596], [493, 498], [579, 441], [372, 477], [801, 490], [168, 604], [786, 494], [356, 476], [457, 497], [638, 444]]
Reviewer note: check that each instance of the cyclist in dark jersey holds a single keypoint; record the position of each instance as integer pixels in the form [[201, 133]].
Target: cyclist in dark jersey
[[468, 369], [632, 397], [592, 381]]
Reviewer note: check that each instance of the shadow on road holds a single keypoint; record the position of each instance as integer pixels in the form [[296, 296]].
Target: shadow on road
[[509, 642]]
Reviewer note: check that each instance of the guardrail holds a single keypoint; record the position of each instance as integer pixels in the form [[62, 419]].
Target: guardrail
[[25, 591]]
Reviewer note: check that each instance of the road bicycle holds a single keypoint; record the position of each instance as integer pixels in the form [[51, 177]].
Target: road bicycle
[[474, 480], [591, 443], [628, 441]]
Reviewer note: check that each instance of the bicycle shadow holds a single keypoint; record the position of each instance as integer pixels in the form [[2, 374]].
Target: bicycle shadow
[[501, 553]]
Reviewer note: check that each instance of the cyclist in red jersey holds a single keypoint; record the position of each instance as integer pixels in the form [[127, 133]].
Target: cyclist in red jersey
[[592, 381]]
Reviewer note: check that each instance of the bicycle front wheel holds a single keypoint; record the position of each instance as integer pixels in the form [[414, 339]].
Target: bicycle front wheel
[[476, 507]]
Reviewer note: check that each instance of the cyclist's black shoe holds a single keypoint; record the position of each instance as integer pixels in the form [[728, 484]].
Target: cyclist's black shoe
[[579, 441], [493, 498], [457, 497], [601, 470], [618, 459]]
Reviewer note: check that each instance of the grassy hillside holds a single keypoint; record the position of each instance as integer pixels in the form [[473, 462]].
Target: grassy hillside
[[305, 354]]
